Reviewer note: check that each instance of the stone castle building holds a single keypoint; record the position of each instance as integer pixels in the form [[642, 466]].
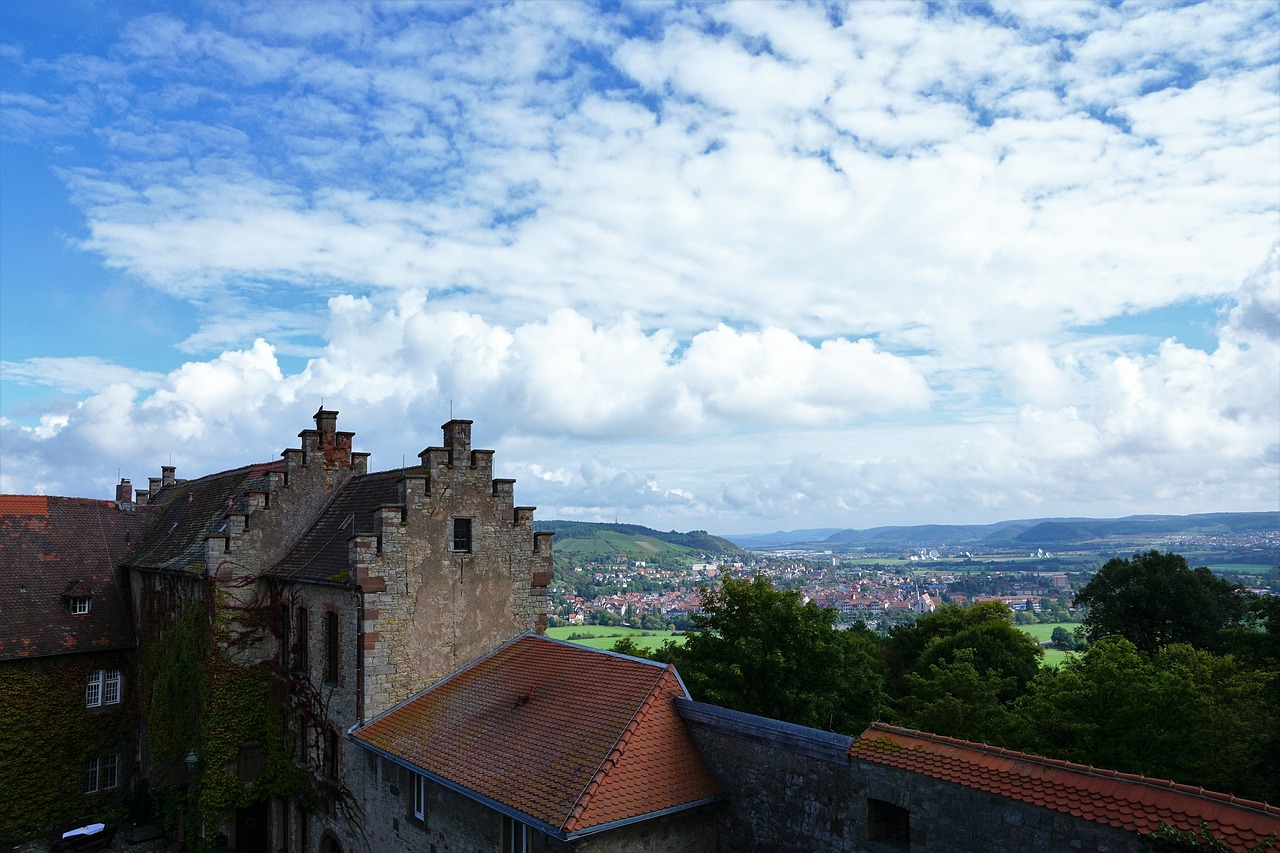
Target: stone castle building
[[303, 655]]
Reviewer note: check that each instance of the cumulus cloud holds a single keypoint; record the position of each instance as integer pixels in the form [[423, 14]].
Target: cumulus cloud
[[749, 261]]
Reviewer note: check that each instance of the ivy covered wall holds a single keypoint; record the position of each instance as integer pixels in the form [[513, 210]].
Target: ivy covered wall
[[46, 735]]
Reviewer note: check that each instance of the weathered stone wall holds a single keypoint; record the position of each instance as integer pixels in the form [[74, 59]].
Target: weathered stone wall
[[332, 702], [948, 817], [789, 788], [430, 609], [693, 831]]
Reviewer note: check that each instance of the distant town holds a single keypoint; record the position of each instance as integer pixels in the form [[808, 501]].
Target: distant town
[[883, 588]]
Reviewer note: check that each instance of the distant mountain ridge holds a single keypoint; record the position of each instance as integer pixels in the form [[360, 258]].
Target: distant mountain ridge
[[1023, 533]]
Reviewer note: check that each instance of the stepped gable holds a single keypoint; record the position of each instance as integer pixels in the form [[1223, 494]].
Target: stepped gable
[[323, 552], [53, 549], [569, 738], [187, 512], [1130, 802]]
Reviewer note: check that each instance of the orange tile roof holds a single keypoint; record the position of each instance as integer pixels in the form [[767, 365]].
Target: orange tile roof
[[1133, 803], [573, 738]]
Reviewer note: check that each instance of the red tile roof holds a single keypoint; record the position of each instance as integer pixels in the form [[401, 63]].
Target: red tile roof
[[1133, 803], [53, 548], [573, 738]]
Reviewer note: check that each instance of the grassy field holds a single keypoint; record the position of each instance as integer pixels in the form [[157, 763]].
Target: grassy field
[[604, 637], [1044, 631], [1241, 568]]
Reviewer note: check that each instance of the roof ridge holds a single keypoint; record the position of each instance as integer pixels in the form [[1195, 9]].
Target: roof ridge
[[614, 756], [1199, 793]]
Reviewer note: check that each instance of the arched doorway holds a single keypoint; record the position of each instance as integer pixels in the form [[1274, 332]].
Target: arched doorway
[[329, 844]]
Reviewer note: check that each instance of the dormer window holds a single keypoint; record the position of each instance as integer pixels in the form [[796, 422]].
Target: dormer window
[[78, 605]]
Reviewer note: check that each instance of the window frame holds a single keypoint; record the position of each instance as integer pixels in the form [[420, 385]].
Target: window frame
[[302, 650], [80, 605], [463, 536], [104, 687], [101, 773], [418, 797], [332, 647], [514, 836]]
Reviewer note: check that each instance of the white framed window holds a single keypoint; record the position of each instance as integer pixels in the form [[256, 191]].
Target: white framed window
[[79, 605], [419, 796], [101, 772], [103, 688], [515, 836], [110, 774], [111, 687]]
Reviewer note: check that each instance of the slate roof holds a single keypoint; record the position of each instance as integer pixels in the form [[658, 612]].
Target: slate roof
[[51, 548], [570, 738], [190, 511], [1133, 803], [322, 553]]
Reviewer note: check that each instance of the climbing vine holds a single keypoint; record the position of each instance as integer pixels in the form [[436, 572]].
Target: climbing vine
[[46, 734], [219, 692]]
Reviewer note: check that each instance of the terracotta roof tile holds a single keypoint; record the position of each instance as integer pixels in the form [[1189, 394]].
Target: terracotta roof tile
[[1124, 800], [52, 548], [572, 737]]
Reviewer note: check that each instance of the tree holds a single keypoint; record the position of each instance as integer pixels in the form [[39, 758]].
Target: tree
[[999, 650], [762, 650], [1183, 714], [1154, 599], [956, 700], [1062, 639]]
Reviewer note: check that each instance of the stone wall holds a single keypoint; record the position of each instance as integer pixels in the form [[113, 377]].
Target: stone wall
[[430, 609], [789, 788], [455, 823]]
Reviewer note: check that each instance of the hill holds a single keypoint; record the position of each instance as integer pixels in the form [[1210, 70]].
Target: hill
[[586, 541], [1115, 534]]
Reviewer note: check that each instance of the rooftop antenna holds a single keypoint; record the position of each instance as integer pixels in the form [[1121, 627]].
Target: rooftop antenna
[[450, 408]]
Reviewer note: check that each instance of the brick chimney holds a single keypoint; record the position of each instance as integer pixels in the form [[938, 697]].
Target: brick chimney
[[124, 492], [168, 475]]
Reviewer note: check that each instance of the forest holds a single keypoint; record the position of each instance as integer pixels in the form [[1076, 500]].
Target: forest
[[1178, 678]]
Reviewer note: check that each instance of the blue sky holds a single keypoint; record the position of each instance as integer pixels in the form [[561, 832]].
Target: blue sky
[[743, 266]]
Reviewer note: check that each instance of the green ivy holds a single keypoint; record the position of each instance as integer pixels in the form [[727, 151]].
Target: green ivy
[[1169, 839], [46, 733]]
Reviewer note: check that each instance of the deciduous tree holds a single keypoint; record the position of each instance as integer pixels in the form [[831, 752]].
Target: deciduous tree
[[1155, 599], [765, 651]]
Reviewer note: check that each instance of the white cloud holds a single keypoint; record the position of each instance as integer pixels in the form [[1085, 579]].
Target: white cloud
[[740, 261]]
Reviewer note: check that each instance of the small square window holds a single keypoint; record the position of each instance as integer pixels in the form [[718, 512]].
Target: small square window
[[79, 605], [462, 534]]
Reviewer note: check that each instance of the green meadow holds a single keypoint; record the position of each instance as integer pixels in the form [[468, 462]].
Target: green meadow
[[603, 637]]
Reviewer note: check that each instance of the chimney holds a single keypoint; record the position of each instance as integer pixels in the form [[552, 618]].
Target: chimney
[[124, 492], [167, 477], [326, 425], [457, 438]]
